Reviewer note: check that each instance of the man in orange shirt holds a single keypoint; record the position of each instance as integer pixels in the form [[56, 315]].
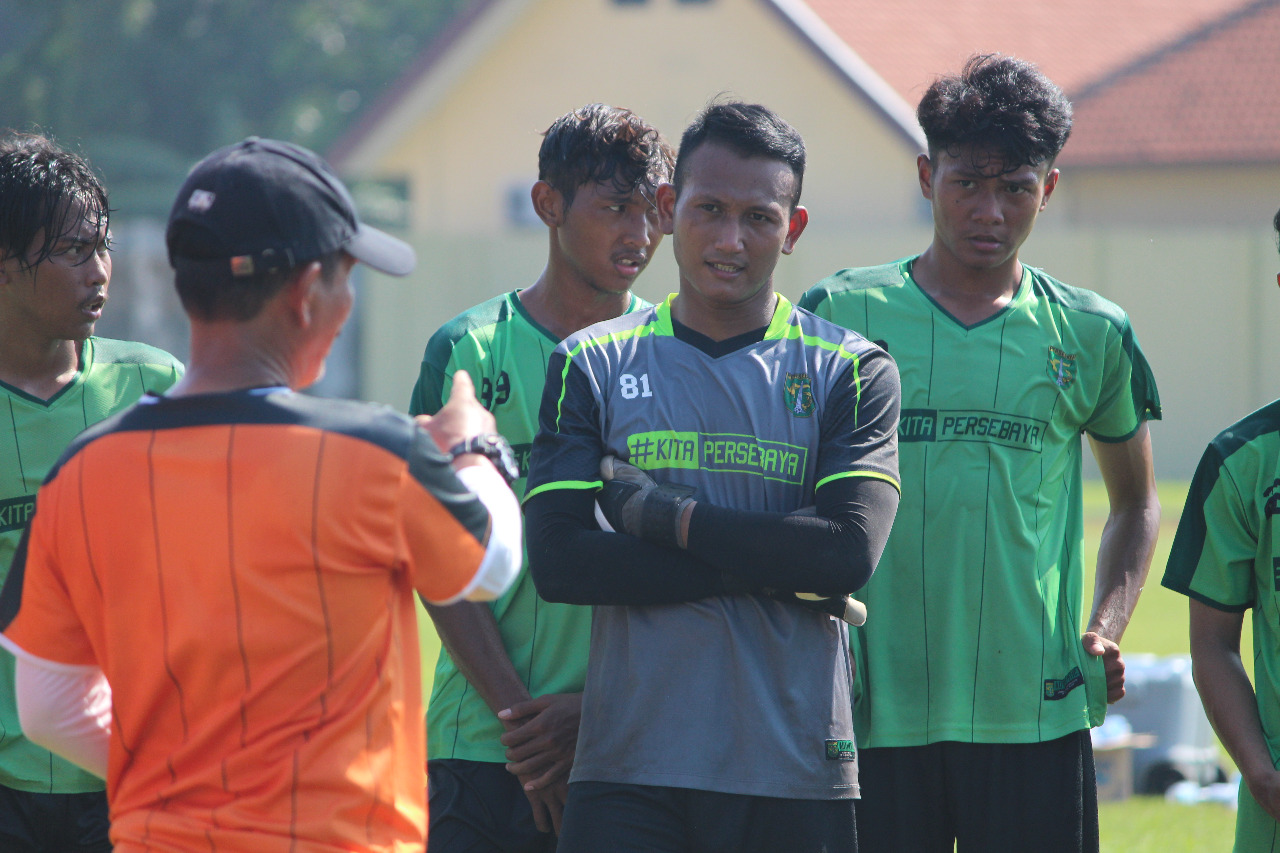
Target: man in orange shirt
[[213, 605]]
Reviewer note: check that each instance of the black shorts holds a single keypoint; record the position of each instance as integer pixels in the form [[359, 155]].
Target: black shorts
[[53, 823], [980, 797], [623, 818], [478, 807]]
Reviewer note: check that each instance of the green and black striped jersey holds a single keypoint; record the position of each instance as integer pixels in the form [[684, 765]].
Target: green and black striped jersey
[[113, 375], [974, 633], [505, 351], [1226, 554]]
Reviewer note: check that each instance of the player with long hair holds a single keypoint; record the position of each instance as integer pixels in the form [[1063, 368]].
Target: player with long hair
[[56, 379]]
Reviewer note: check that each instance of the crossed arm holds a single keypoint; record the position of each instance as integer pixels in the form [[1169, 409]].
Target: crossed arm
[[831, 553]]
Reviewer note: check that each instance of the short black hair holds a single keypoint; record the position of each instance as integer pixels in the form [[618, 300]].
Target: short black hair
[[751, 130], [606, 145], [997, 105], [1275, 223], [44, 188], [213, 298]]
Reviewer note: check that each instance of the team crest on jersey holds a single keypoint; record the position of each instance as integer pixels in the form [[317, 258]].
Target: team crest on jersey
[[798, 392], [1062, 367]]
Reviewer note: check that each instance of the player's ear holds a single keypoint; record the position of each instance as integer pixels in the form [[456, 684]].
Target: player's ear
[[924, 168], [301, 291], [665, 200], [548, 203], [1050, 181], [795, 227]]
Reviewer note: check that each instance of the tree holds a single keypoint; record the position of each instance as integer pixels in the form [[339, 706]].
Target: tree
[[145, 87]]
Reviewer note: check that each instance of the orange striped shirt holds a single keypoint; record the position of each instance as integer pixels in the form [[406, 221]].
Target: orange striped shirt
[[242, 568]]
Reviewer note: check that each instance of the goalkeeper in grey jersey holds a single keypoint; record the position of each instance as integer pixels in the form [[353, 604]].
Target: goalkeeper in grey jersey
[[705, 697]]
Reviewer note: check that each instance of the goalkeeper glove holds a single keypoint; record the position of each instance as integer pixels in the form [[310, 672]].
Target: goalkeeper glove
[[633, 503], [846, 608]]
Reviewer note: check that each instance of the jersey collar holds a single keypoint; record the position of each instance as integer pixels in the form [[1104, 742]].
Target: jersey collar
[[82, 370], [777, 326], [1019, 295]]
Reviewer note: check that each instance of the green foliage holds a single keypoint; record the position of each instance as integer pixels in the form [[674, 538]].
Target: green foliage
[[144, 87]]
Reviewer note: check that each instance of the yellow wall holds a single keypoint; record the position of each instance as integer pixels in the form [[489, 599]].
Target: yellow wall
[[1185, 251], [1182, 196], [1203, 304], [665, 60]]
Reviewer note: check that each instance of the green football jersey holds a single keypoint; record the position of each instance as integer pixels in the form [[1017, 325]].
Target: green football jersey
[[974, 613], [505, 352], [1226, 554], [33, 434]]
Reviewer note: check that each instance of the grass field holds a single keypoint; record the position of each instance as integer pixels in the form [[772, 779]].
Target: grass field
[[1141, 824]]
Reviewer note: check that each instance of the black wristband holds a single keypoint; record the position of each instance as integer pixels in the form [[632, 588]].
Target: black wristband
[[660, 514], [494, 448]]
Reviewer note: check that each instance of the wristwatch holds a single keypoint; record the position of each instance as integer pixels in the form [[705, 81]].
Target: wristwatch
[[494, 448]]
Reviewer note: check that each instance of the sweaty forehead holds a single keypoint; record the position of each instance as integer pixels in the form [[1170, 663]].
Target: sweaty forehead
[[720, 171], [80, 221]]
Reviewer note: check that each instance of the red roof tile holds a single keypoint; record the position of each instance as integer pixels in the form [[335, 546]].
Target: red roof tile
[[1209, 98], [1075, 42], [1159, 81]]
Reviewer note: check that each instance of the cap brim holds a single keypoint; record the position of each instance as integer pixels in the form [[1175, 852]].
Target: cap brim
[[381, 251]]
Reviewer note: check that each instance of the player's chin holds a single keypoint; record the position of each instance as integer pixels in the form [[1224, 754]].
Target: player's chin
[[615, 283], [79, 331], [730, 296]]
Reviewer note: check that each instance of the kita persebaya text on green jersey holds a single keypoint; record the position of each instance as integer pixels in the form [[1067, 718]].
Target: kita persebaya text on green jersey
[[113, 375], [983, 570]]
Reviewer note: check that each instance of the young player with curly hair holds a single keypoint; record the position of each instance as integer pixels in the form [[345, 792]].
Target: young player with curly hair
[[977, 687], [503, 718]]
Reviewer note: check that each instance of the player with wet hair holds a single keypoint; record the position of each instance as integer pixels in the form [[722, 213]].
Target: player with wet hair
[[56, 379]]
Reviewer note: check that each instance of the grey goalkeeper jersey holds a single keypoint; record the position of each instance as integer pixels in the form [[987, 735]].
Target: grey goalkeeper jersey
[[732, 693]]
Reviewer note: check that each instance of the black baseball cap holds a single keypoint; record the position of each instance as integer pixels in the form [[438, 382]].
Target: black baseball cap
[[263, 205]]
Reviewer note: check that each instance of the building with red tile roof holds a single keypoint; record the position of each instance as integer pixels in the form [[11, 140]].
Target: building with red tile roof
[[909, 42], [1169, 180], [1210, 96]]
